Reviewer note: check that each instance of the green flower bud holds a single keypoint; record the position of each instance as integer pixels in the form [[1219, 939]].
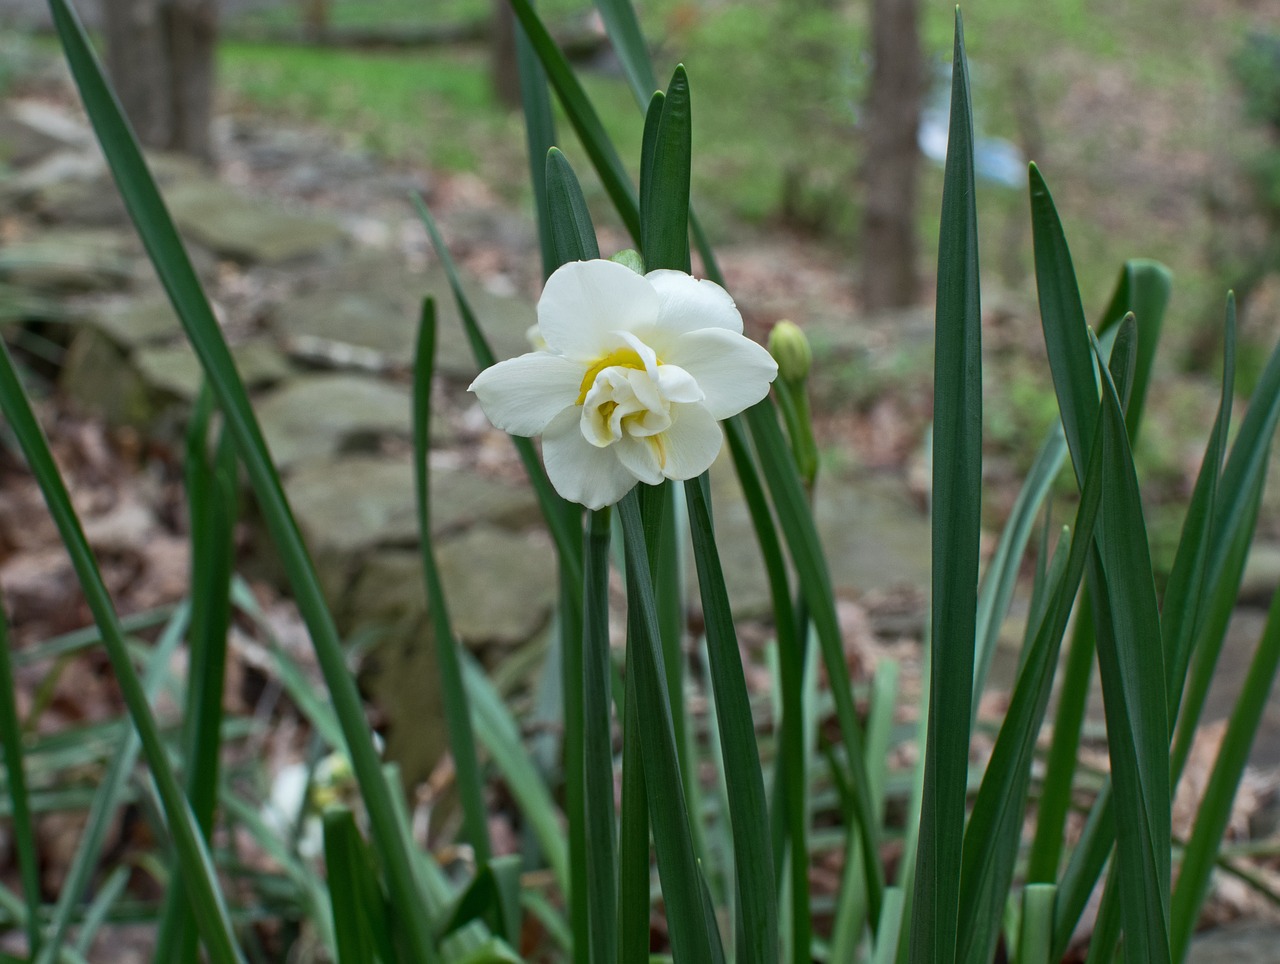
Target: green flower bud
[[630, 257], [790, 349]]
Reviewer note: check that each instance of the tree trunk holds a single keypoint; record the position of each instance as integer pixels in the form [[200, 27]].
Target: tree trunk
[[505, 71], [891, 168], [315, 20], [160, 56]]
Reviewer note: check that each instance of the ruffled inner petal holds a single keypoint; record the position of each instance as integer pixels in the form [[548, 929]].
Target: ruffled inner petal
[[523, 394]]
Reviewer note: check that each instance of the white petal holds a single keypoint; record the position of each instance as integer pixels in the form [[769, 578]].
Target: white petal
[[648, 357], [677, 385], [688, 304], [585, 302], [522, 395], [640, 458], [691, 443], [732, 370], [579, 471]]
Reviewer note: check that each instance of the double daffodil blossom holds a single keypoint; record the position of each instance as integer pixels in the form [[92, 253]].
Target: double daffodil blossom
[[637, 372]]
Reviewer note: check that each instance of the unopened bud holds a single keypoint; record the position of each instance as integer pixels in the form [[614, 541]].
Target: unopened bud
[[790, 349], [630, 258]]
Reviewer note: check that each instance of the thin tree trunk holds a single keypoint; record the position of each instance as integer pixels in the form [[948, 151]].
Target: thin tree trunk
[[193, 34], [889, 274], [505, 72], [160, 54]]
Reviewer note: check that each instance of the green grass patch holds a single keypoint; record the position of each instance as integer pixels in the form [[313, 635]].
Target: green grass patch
[[398, 105]]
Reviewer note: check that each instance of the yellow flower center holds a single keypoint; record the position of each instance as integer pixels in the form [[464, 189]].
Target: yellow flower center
[[618, 358]]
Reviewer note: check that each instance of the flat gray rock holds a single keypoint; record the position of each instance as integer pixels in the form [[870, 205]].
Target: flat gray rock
[[1244, 943], [1238, 646], [175, 369], [249, 229], [21, 143], [354, 504], [318, 416], [71, 261], [401, 672], [374, 303], [359, 502], [76, 200], [134, 321], [96, 377], [500, 585], [873, 535], [1261, 574], [460, 498]]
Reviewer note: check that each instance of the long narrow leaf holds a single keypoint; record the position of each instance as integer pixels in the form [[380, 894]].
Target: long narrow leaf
[[462, 743], [11, 737], [693, 935], [796, 522], [103, 902], [1035, 937], [1235, 514], [1143, 290], [583, 117], [790, 791], [601, 893], [1215, 807], [1184, 596], [753, 857], [664, 215], [540, 137], [1002, 571], [993, 834], [573, 238], [346, 862], [212, 499], [1131, 665], [623, 28], [957, 500], [1062, 317], [633, 829]]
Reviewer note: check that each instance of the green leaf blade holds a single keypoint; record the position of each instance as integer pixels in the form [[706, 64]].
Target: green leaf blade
[[957, 488], [1065, 330], [457, 710], [1134, 701], [694, 936], [664, 216], [753, 855]]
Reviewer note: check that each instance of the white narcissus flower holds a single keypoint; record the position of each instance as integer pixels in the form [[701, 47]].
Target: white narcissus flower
[[637, 372]]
